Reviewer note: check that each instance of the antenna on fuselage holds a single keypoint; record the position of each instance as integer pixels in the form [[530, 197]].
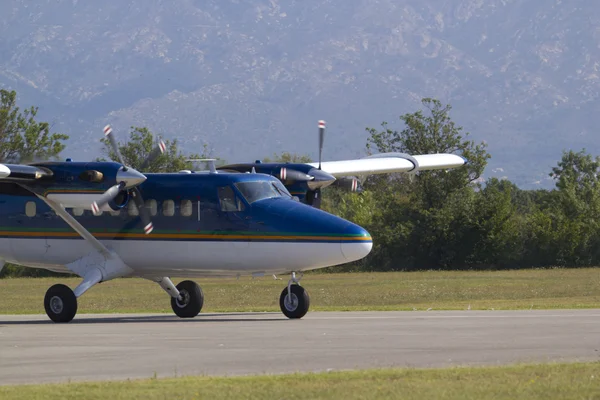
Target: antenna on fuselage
[[211, 163]]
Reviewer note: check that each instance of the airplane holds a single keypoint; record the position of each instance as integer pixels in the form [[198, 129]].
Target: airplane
[[305, 180], [96, 220]]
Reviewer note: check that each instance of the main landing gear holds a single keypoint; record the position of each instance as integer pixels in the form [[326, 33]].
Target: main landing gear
[[294, 300], [60, 303]]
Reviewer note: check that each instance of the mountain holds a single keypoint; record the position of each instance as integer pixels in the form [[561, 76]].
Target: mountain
[[251, 78]]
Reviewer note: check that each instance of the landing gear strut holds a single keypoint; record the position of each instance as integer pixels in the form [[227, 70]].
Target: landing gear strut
[[294, 300]]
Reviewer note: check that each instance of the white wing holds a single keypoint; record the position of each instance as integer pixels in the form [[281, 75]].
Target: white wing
[[21, 172], [391, 162], [4, 171]]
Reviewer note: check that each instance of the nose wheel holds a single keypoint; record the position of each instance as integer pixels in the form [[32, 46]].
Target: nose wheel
[[190, 300], [294, 300]]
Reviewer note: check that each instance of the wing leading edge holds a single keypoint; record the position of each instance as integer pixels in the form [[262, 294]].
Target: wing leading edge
[[391, 162], [20, 172]]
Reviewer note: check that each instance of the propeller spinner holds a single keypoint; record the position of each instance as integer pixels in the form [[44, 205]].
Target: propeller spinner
[[128, 179]]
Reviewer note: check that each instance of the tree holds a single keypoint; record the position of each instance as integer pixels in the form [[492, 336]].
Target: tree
[[141, 143], [433, 133], [578, 183], [287, 157], [576, 212], [432, 223], [498, 227], [22, 138]]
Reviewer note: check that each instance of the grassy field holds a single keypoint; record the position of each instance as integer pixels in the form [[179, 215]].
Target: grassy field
[[537, 289], [555, 381]]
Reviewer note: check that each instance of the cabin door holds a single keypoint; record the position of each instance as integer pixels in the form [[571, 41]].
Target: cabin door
[[235, 217]]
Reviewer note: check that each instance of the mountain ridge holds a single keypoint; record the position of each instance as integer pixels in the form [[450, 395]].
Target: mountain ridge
[[253, 78]]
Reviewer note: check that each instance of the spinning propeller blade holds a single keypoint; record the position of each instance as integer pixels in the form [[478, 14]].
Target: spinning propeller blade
[[144, 213], [160, 149], [321, 178], [113, 142], [321, 140], [129, 179], [349, 184], [107, 196]]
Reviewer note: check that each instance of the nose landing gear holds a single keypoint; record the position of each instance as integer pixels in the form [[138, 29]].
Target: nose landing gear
[[187, 297], [190, 300], [294, 300]]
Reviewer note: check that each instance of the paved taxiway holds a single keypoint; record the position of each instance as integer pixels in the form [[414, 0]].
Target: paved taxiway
[[98, 347]]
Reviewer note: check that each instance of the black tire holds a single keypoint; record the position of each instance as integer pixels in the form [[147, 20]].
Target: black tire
[[300, 302], [193, 300], [60, 303]]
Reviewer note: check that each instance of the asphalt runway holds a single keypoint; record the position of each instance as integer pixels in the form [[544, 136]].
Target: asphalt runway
[[100, 347]]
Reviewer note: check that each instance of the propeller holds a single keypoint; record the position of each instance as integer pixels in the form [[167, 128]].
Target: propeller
[[128, 179], [349, 184], [321, 178], [160, 149], [107, 196], [321, 139], [136, 195], [113, 142]]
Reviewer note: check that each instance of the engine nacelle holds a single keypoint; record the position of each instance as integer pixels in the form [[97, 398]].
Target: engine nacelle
[[78, 185]]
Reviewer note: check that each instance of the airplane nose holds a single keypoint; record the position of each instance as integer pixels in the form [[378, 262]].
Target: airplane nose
[[359, 243], [320, 239]]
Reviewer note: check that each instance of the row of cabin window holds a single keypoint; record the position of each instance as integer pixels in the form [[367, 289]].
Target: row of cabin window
[[168, 208]]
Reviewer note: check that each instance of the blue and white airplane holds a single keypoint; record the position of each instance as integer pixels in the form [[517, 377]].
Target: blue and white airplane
[[97, 220]]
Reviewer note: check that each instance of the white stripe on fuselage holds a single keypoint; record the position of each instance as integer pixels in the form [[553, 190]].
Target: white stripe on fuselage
[[186, 258]]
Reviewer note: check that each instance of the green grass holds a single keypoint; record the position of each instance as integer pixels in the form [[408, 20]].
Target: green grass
[[525, 289], [554, 381]]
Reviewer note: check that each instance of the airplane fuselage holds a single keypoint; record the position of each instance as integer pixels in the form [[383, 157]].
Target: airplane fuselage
[[205, 224]]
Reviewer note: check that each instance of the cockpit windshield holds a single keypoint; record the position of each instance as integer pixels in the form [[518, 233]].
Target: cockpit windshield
[[259, 190]]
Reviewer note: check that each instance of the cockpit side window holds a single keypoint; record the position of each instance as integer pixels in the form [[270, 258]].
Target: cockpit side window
[[281, 189], [228, 200]]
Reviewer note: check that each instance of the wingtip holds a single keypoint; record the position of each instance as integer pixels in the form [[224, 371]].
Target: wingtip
[[4, 171]]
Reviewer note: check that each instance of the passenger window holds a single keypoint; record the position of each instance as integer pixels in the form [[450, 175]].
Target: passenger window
[[30, 209], [228, 200], [132, 209], [152, 207], [186, 208], [168, 208]]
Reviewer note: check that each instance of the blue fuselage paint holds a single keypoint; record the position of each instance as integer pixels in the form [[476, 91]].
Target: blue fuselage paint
[[270, 220], [269, 216]]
